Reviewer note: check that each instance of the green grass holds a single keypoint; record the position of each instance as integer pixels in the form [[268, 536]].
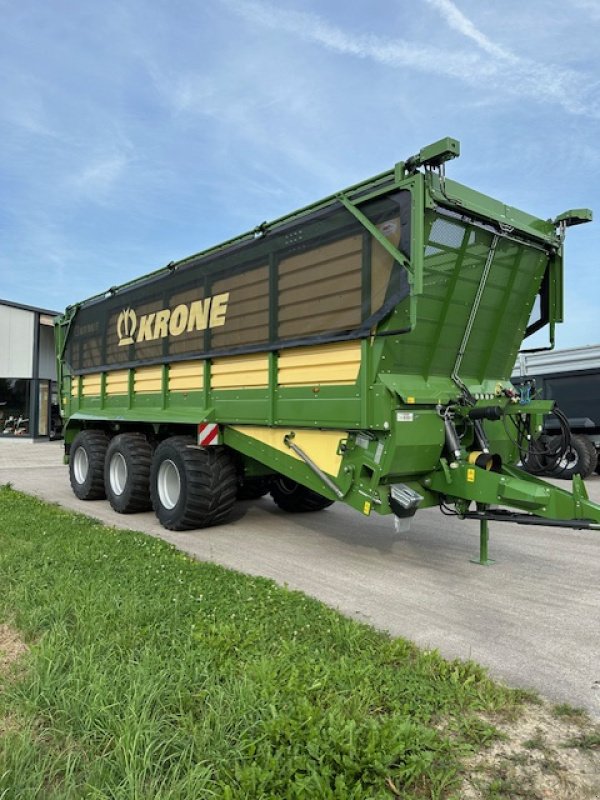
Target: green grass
[[151, 675], [536, 743], [586, 741], [569, 712], [509, 789]]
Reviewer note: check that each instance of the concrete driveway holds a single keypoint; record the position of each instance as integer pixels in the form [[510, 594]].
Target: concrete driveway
[[533, 618]]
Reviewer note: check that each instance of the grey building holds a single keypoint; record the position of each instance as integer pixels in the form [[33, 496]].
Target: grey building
[[28, 402]]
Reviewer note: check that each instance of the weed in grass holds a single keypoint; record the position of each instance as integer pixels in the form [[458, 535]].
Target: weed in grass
[[536, 742], [509, 789], [519, 759], [565, 711], [528, 696], [586, 741], [154, 676]]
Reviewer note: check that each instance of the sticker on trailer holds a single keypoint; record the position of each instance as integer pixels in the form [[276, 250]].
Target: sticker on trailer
[[208, 433], [405, 416]]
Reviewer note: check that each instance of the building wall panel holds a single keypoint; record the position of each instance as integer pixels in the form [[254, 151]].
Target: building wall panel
[[16, 342], [47, 361]]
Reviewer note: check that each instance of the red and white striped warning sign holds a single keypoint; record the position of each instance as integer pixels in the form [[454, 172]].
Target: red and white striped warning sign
[[208, 433]]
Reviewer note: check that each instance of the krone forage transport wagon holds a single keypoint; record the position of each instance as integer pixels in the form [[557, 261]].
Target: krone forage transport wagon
[[358, 350]]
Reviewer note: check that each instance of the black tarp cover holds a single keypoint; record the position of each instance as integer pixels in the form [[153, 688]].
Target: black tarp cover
[[322, 278]]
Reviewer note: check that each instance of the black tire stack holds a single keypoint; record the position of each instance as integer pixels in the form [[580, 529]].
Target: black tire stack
[[187, 486]]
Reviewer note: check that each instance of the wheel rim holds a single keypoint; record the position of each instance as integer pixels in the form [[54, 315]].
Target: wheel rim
[[118, 473], [168, 484], [564, 463], [81, 465]]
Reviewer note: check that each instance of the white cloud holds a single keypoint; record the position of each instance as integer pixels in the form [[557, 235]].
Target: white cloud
[[248, 117], [459, 22], [542, 81], [495, 68], [385, 51]]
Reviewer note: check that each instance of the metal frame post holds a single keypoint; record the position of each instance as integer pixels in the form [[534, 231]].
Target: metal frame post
[[484, 538]]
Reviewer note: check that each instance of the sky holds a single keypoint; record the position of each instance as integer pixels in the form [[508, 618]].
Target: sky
[[137, 132]]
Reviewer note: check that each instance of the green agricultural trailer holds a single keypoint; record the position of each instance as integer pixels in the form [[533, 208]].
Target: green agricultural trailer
[[358, 350]]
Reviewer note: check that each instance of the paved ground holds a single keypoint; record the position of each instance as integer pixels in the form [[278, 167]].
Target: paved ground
[[533, 618]]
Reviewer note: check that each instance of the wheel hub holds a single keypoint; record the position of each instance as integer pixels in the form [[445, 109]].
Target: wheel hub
[[118, 473], [81, 465], [168, 484]]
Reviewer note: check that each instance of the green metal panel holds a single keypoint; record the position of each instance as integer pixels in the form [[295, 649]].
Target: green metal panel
[[455, 254]]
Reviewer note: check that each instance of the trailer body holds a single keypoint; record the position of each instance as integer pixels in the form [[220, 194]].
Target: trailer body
[[357, 350]]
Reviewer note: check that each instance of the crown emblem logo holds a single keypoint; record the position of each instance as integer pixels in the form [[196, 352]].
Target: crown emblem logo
[[126, 325]]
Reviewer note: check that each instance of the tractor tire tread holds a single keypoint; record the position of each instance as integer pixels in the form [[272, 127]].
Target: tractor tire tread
[[583, 465], [210, 486], [254, 488], [96, 445], [297, 499], [137, 451]]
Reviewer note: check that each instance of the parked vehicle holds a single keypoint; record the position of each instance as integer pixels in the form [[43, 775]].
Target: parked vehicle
[[358, 350], [571, 378]]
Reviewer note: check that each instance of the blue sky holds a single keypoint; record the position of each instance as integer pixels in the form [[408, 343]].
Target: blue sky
[[137, 132]]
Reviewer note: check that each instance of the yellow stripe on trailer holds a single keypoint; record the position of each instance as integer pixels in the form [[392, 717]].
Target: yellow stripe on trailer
[[323, 364], [240, 372], [91, 385], [117, 382], [321, 446], [186, 376], [147, 379]]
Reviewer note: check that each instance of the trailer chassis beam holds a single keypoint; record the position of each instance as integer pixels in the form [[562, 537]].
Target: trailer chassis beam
[[531, 519], [514, 488]]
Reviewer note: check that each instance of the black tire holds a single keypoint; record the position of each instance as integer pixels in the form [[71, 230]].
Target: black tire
[[592, 451], [577, 461], [86, 464], [254, 488], [127, 473], [295, 498], [191, 487]]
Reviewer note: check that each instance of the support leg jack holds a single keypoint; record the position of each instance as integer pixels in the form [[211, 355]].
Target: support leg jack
[[484, 536]]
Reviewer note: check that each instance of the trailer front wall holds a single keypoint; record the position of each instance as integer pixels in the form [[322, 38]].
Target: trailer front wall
[[470, 266]]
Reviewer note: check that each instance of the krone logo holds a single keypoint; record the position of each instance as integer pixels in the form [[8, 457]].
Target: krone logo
[[184, 318], [126, 325]]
